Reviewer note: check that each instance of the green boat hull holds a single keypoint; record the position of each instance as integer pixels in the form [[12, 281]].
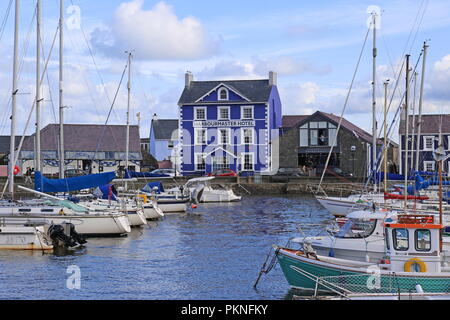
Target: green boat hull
[[357, 282]]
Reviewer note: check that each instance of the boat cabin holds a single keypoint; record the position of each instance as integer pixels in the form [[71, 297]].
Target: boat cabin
[[413, 243], [362, 224]]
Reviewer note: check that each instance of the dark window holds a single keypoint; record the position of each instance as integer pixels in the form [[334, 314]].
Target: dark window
[[423, 240], [386, 238], [24, 210]]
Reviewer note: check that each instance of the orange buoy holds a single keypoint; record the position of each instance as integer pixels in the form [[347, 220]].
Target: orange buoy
[[193, 206]]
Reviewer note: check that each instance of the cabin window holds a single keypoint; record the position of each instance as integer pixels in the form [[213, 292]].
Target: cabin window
[[47, 210], [24, 210], [423, 240], [386, 238], [401, 239]]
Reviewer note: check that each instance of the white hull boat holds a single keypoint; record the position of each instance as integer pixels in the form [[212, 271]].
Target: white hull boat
[[218, 195], [15, 237], [87, 223], [134, 214]]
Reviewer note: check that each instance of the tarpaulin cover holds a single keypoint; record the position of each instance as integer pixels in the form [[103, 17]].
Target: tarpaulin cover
[[44, 184]]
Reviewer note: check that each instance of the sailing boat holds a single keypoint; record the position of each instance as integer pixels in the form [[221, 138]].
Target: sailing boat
[[55, 210]]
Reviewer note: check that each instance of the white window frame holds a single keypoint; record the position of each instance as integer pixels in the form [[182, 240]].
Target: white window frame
[[448, 145], [425, 143], [219, 136], [243, 136], [196, 136], [425, 163], [252, 161], [223, 108], [242, 112], [196, 163], [219, 94], [195, 113]]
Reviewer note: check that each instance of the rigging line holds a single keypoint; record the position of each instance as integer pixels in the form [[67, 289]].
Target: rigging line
[[95, 65], [5, 19], [112, 106], [24, 53], [92, 96], [380, 154], [419, 25], [412, 27], [346, 102]]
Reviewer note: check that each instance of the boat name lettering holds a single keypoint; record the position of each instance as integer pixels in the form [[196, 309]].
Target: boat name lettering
[[217, 123]]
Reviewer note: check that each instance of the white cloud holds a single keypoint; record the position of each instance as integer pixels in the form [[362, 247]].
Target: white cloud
[[155, 34]]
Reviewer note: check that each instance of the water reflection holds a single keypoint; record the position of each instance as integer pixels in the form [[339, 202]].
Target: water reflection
[[214, 252]]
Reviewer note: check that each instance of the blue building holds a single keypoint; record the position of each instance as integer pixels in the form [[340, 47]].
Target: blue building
[[433, 126], [163, 139], [229, 125]]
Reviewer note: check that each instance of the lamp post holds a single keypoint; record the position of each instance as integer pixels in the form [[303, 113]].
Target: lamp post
[[353, 149]]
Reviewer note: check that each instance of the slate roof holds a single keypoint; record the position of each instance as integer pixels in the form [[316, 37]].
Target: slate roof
[[430, 124], [295, 121], [254, 90], [163, 128], [87, 137], [5, 143]]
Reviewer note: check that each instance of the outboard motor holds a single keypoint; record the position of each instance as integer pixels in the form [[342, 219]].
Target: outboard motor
[[64, 235]]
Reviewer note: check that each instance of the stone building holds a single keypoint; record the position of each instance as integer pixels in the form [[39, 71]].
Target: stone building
[[433, 125], [93, 148], [306, 141]]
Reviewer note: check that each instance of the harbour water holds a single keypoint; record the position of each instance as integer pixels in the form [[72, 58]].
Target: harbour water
[[214, 252]]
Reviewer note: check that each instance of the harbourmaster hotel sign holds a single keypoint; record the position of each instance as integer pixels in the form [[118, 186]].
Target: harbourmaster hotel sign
[[224, 124]]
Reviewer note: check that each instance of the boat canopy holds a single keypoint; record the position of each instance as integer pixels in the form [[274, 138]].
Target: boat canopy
[[379, 215], [44, 184], [150, 187]]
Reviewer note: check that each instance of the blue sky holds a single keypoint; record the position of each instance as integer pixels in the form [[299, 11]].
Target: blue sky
[[313, 45]]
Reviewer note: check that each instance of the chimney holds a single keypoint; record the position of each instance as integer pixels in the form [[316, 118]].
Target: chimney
[[273, 78], [188, 78]]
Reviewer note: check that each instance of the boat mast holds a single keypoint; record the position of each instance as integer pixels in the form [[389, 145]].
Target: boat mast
[[374, 103], [386, 83], [61, 88], [14, 101], [38, 87], [413, 131], [419, 130], [127, 147], [406, 139]]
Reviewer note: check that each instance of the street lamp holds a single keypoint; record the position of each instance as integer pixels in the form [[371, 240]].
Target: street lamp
[[353, 150]]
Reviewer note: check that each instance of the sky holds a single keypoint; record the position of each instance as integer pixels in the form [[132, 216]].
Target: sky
[[314, 47]]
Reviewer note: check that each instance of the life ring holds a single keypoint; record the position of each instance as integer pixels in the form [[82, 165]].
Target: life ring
[[411, 262], [143, 196], [16, 170]]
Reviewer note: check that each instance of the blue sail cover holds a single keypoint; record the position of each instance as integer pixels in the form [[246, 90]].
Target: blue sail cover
[[44, 184], [149, 187], [134, 174]]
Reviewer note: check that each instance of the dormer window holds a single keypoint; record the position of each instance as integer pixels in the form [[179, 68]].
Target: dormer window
[[223, 94]]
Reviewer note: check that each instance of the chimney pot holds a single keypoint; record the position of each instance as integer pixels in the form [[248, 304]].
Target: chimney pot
[[188, 78], [273, 78]]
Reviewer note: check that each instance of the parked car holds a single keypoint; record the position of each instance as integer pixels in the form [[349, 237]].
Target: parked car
[[169, 172], [293, 172], [333, 171], [222, 173]]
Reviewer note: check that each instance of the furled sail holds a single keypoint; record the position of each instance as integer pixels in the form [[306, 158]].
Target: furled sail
[[44, 184]]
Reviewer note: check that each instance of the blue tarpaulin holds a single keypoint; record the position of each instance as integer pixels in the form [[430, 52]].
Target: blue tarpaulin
[[134, 174], [149, 187], [44, 184]]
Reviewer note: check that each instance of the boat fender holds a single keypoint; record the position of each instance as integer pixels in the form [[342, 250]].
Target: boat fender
[[61, 212], [411, 262]]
